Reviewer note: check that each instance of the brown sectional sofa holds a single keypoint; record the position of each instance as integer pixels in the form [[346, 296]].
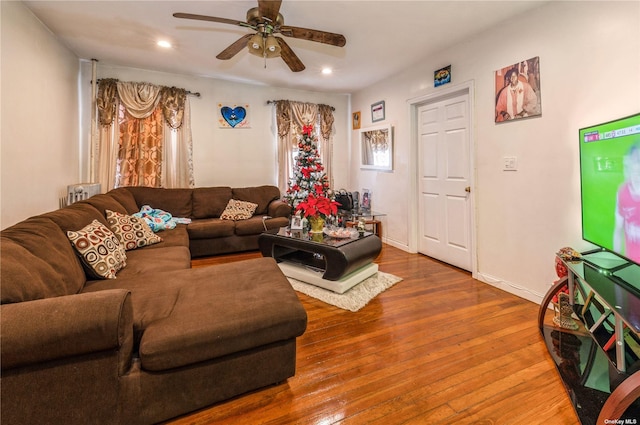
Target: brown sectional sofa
[[208, 235], [158, 341]]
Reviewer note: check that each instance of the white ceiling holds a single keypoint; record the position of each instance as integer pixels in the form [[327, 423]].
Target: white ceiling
[[383, 37]]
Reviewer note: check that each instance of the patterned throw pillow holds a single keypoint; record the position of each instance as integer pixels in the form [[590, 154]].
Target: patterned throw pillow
[[132, 232], [99, 250], [238, 210]]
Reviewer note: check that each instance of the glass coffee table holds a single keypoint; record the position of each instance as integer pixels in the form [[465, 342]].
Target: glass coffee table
[[332, 263]]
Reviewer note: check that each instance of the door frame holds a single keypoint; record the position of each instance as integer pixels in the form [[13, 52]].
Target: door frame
[[414, 104]]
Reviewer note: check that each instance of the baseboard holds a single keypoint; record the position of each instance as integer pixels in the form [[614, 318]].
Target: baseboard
[[511, 288], [399, 245]]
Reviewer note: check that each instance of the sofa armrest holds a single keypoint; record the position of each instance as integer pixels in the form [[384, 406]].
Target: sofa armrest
[[279, 208], [73, 325]]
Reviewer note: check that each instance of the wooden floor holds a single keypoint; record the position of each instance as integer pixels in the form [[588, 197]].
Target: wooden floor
[[437, 348]]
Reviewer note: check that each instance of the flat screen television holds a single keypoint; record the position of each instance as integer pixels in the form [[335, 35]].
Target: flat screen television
[[610, 188]]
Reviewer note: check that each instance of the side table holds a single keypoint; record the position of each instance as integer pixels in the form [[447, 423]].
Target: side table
[[370, 219]]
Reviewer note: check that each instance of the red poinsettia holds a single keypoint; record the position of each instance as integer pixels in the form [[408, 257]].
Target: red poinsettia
[[317, 206]]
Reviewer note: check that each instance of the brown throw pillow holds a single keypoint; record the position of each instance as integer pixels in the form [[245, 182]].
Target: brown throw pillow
[[132, 232], [99, 249], [238, 210]]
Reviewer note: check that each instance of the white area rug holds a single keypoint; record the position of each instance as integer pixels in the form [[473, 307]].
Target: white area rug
[[355, 298]]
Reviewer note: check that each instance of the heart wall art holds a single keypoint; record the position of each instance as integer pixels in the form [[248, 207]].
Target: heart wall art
[[233, 115]]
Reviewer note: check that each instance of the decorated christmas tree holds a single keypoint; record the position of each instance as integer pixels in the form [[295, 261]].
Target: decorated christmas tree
[[308, 190]]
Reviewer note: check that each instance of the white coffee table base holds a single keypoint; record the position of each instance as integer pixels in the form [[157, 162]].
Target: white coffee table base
[[309, 275]]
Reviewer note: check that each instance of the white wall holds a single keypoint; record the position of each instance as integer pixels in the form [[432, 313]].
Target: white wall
[[234, 157], [590, 72], [39, 136]]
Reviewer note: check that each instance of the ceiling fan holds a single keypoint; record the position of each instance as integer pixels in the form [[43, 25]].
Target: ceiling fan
[[267, 21]]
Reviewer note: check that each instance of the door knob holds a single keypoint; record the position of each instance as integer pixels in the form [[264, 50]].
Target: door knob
[[467, 189]]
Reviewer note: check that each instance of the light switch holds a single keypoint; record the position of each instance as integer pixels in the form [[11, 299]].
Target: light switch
[[510, 163]]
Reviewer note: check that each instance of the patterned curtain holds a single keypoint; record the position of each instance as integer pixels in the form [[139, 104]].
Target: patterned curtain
[[290, 118], [151, 145], [140, 155]]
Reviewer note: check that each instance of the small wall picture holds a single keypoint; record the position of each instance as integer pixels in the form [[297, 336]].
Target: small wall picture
[[518, 91], [365, 204], [356, 118], [232, 115], [377, 111], [442, 76]]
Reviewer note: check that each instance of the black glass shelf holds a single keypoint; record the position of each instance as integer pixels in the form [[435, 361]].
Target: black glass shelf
[[599, 363], [586, 372]]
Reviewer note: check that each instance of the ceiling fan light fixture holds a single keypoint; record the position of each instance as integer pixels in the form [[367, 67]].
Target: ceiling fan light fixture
[[256, 45], [271, 47]]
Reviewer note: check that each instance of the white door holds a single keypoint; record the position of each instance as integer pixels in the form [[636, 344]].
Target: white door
[[444, 207]]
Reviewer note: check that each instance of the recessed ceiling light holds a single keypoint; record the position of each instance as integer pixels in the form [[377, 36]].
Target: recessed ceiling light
[[327, 71], [164, 43]]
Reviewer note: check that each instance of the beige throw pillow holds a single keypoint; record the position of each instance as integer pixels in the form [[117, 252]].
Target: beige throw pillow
[[238, 210], [99, 249], [132, 232]]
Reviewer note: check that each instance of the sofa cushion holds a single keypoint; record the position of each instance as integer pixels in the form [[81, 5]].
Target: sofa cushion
[[75, 216], [142, 263], [124, 198], [100, 251], [253, 226], [210, 228], [38, 262], [132, 232], [104, 202], [238, 210], [261, 195], [153, 296], [210, 320], [177, 202], [172, 237], [209, 202]]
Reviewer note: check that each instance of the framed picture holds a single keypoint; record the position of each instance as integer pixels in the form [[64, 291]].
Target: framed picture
[[296, 222], [231, 115], [376, 148], [442, 76], [366, 200], [518, 91], [356, 118], [377, 111]]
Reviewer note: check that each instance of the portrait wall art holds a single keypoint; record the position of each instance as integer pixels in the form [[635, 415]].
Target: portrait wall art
[[232, 115], [518, 93]]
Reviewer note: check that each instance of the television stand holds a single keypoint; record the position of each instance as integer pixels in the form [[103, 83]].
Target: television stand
[[599, 362], [605, 260]]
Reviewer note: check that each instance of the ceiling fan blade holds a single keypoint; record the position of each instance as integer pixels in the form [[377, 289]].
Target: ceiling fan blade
[[210, 19], [293, 62], [234, 48], [314, 35], [269, 9]]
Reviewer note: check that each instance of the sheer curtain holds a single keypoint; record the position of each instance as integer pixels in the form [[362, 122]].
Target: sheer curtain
[[290, 118], [151, 144]]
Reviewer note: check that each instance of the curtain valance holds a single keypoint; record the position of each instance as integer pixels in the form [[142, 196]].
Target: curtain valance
[[140, 100]]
